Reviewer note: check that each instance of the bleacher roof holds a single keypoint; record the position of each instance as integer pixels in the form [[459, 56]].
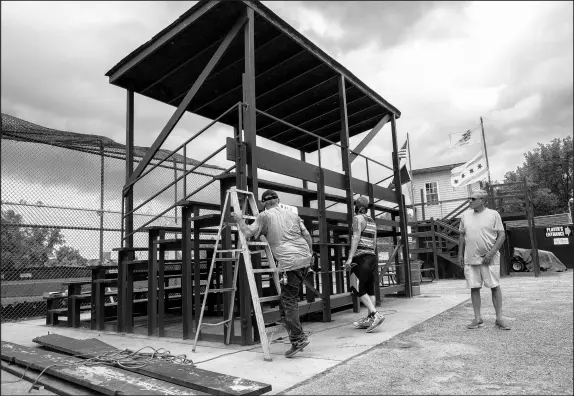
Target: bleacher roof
[[295, 80]]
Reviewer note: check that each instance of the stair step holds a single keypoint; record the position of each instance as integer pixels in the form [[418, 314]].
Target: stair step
[[267, 299], [420, 250], [263, 270]]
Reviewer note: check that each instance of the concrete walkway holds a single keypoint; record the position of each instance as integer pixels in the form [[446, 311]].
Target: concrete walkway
[[331, 343]]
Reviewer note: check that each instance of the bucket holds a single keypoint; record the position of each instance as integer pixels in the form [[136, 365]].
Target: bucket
[[415, 272]]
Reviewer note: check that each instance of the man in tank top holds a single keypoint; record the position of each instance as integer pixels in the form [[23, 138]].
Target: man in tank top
[[363, 261]]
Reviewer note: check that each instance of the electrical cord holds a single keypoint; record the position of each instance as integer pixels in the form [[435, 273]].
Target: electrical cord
[[126, 359]]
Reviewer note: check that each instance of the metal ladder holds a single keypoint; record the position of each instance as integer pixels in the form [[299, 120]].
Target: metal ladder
[[232, 197]]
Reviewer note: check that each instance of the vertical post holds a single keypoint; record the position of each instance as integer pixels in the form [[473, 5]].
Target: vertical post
[[249, 99], [129, 221], [186, 265], [175, 189], [422, 204], [344, 136], [184, 171], [434, 252], [324, 248], [101, 202], [485, 152], [402, 209], [308, 224], [411, 176], [532, 228]]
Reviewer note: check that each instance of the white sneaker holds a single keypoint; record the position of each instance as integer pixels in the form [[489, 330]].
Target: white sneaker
[[378, 319]]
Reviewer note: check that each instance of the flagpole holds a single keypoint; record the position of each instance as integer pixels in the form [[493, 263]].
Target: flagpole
[[411, 177], [485, 152]]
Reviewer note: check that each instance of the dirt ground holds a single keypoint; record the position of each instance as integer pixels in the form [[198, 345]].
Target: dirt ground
[[441, 356]]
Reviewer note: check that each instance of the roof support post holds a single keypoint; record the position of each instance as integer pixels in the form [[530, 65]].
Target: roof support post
[[249, 127], [361, 146], [249, 99], [129, 195], [344, 136], [187, 99], [402, 210]]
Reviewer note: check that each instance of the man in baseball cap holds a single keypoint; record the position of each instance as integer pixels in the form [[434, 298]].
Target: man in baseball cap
[[290, 243]]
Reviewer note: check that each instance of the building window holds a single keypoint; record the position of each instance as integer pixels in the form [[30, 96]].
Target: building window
[[431, 190]]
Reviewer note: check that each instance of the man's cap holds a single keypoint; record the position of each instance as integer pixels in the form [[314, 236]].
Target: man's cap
[[362, 202], [269, 194]]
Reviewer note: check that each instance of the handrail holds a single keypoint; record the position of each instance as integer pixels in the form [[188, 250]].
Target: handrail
[[318, 137], [447, 226], [177, 179], [174, 205], [456, 209], [127, 186], [444, 236]]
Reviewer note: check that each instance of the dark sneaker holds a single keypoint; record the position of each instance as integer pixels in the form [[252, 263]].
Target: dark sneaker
[[298, 347], [500, 324], [363, 323], [378, 320], [475, 324]]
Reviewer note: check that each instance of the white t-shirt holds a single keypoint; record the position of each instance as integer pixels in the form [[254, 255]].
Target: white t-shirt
[[480, 232], [283, 230]]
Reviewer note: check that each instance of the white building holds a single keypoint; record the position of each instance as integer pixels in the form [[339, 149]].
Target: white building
[[439, 196]]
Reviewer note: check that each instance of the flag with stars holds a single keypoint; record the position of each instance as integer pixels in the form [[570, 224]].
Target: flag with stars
[[471, 172], [471, 136]]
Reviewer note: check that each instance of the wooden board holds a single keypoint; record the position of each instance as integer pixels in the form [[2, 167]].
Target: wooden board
[[101, 378], [192, 377], [53, 384]]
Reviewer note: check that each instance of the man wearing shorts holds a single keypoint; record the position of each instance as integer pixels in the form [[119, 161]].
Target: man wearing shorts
[[363, 254], [291, 244], [481, 236]]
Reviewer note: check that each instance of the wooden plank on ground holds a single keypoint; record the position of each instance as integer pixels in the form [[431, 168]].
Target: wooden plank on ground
[[51, 383], [101, 378], [184, 375]]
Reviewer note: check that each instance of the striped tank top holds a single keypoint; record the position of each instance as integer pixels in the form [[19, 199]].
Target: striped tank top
[[368, 237]]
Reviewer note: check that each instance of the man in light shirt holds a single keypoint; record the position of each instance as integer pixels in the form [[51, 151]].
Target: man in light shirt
[[291, 244], [481, 236]]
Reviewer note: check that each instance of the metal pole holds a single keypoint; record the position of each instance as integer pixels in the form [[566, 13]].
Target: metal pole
[[129, 221], [185, 171], [101, 202], [411, 175], [485, 152], [175, 188]]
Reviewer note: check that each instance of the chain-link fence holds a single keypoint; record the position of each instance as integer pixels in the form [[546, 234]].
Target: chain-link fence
[[61, 207]]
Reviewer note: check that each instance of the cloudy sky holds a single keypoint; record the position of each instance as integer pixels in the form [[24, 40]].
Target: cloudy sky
[[443, 64]]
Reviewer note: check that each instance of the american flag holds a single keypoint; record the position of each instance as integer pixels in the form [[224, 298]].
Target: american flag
[[403, 152]]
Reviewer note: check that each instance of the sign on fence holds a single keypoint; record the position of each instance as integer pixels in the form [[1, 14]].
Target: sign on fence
[[559, 231]]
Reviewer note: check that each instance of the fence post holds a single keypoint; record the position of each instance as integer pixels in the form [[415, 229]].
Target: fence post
[[102, 202]]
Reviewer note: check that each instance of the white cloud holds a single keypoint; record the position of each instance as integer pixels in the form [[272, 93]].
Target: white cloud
[[520, 111]]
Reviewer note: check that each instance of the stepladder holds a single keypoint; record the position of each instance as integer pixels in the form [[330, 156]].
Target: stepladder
[[241, 202]]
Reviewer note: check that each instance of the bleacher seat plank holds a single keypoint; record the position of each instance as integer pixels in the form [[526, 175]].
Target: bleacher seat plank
[[183, 375], [102, 378]]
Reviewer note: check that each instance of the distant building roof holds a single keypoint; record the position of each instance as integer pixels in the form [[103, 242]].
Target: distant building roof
[[542, 221], [441, 168]]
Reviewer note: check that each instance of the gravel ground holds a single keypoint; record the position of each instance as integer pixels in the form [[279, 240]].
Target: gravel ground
[[440, 356]]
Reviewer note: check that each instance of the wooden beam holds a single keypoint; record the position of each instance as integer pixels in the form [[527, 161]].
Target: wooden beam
[[187, 100], [319, 117], [296, 97], [344, 137], [285, 165], [159, 42], [370, 136], [274, 20]]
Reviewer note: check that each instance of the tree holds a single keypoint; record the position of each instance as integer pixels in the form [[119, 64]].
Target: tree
[[548, 169], [70, 257], [25, 246]]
